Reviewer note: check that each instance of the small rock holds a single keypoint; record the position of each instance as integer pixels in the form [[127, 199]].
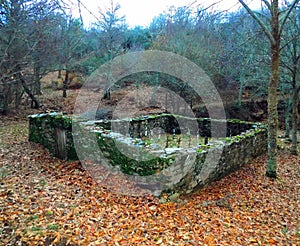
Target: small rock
[[174, 197], [163, 200], [153, 207], [172, 150]]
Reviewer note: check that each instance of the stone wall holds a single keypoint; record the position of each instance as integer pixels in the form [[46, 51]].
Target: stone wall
[[167, 170], [141, 126], [54, 132], [237, 152]]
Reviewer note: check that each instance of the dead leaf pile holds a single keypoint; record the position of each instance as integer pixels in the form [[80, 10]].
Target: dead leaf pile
[[46, 201]]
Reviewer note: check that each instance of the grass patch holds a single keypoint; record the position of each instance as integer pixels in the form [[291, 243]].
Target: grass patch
[[52, 227]]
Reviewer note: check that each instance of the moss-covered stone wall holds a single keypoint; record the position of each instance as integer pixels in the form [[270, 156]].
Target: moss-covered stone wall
[[54, 132], [243, 142], [141, 126], [237, 151]]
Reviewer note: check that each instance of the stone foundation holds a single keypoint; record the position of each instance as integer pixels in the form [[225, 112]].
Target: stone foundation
[[128, 146]]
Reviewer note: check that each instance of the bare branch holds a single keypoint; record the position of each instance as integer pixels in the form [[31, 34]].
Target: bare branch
[[259, 21], [79, 9], [268, 5], [286, 15]]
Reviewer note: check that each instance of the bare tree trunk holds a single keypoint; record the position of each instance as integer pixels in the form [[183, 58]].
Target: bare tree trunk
[[37, 81], [65, 83], [274, 33], [5, 99], [287, 117], [18, 94], [272, 108], [240, 96], [106, 94], [34, 100], [294, 149]]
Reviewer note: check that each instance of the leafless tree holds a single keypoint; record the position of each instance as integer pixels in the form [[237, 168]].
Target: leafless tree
[[272, 24]]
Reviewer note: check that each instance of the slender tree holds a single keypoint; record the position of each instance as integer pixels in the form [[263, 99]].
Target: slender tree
[[112, 34], [70, 35], [273, 29], [291, 63]]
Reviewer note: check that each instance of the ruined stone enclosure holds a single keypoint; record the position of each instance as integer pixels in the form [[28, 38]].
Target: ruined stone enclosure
[[158, 153]]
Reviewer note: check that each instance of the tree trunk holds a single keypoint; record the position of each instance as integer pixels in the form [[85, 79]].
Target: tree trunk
[[287, 117], [34, 100], [272, 96], [294, 149], [272, 110], [273, 32], [106, 94], [37, 81], [4, 97], [240, 96], [18, 95], [65, 83]]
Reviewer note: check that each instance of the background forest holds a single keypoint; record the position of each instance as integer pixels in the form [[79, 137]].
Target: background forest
[[38, 37]]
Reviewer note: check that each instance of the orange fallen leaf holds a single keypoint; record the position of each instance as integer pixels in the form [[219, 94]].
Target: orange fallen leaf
[[57, 238], [209, 240], [272, 241]]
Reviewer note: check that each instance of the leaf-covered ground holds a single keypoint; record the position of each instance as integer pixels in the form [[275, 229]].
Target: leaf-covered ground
[[46, 201]]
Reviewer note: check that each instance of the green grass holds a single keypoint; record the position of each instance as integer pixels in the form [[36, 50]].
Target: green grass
[[36, 228], [52, 227], [33, 217]]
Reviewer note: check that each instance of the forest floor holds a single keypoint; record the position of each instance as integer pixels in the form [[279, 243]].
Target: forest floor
[[47, 201]]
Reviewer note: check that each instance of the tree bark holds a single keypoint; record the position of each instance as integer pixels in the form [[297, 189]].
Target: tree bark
[[65, 83], [5, 94], [288, 109], [34, 100], [272, 95], [106, 94], [273, 117], [37, 81], [240, 96], [274, 34], [294, 149]]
